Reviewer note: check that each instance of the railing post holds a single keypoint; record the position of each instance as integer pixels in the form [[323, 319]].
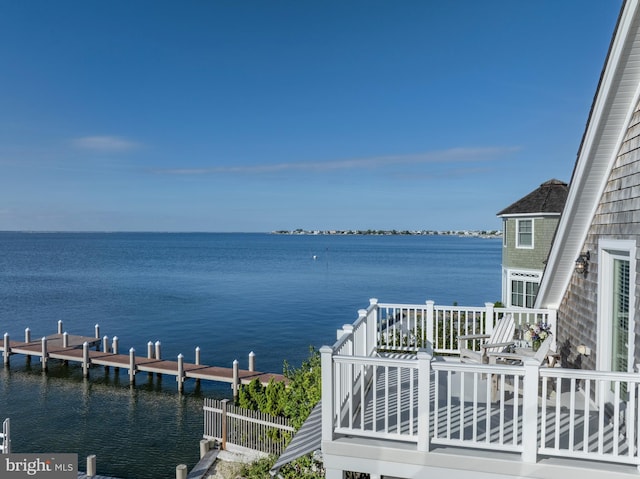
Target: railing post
[[530, 411], [372, 326], [360, 345], [490, 319], [430, 321], [326, 365], [223, 439], [7, 349], [553, 320], [424, 402]]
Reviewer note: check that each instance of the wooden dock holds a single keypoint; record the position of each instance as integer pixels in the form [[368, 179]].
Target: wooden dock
[[79, 349]]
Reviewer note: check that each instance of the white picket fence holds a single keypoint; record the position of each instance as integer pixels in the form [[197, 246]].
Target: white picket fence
[[246, 428]]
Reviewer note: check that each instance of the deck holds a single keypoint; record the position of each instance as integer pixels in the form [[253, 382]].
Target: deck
[[399, 405]]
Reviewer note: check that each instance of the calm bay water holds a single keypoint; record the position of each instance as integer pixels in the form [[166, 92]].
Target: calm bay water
[[229, 294]]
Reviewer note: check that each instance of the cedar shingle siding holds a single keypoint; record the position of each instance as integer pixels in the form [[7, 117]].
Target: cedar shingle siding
[[617, 217]]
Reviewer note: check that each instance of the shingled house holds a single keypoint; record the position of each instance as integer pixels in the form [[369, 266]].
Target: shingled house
[[529, 226]]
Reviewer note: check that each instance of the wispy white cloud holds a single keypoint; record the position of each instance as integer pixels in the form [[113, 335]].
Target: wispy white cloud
[[104, 143], [450, 156]]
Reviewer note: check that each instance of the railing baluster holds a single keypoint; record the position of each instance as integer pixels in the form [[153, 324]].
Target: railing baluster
[[587, 404], [572, 414]]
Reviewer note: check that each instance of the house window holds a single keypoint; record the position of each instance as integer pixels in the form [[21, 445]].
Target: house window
[[524, 234], [523, 293]]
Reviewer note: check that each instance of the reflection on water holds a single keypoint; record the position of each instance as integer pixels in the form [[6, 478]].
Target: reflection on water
[[135, 432]]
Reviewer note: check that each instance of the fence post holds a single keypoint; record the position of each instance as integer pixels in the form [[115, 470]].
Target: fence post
[[45, 354], [7, 349], [530, 410], [430, 326], [490, 319], [91, 465], [326, 365], [424, 357], [372, 326], [224, 424]]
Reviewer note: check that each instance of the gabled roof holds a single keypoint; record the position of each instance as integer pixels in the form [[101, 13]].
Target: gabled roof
[[550, 197], [611, 111]]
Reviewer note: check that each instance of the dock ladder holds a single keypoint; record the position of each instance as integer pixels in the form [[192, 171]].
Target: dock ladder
[[5, 447]]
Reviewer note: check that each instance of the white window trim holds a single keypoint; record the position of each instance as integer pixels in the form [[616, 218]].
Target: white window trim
[[607, 249], [527, 276], [518, 245]]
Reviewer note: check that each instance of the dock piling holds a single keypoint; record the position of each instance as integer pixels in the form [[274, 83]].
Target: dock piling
[[236, 380], [45, 354], [27, 335], [132, 366], [158, 355], [180, 376], [7, 349], [105, 344], [85, 359], [91, 465], [59, 326], [150, 350], [97, 330], [181, 471], [114, 345], [197, 361], [65, 340], [252, 361]]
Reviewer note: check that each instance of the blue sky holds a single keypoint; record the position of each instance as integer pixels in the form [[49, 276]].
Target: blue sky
[[261, 115]]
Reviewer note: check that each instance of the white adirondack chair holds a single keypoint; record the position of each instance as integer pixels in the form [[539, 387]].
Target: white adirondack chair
[[497, 341]]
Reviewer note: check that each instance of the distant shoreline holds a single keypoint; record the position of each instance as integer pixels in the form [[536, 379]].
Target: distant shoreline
[[463, 233]]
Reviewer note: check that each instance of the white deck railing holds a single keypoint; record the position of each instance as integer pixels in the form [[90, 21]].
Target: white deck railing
[[374, 386]]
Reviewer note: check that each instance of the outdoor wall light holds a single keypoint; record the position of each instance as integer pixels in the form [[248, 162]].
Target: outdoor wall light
[[584, 350], [582, 263]]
